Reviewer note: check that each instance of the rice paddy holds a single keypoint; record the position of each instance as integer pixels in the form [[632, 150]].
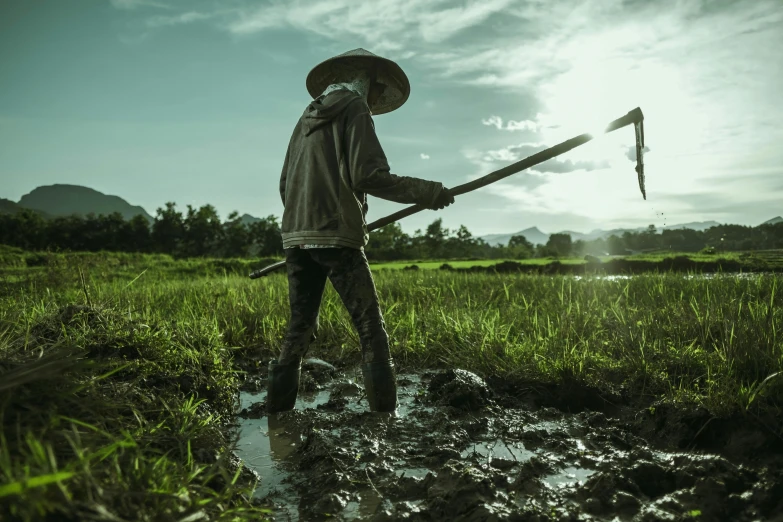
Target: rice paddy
[[119, 375]]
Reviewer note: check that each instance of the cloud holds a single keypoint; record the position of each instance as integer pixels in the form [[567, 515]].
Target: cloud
[[180, 19], [493, 120], [556, 166], [424, 156], [385, 25], [133, 4], [514, 153], [511, 125]]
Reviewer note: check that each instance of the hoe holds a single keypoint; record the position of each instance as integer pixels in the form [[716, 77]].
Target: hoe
[[634, 117]]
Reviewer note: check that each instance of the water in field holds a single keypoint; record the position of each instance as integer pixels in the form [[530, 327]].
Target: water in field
[[459, 451]]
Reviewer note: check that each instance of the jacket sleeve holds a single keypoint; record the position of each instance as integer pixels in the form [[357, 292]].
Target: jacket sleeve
[[369, 169], [283, 175]]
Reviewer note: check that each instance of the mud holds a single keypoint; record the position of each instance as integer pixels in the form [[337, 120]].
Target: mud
[[460, 449]]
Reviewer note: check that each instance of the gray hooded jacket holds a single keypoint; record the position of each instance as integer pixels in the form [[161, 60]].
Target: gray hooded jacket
[[334, 160]]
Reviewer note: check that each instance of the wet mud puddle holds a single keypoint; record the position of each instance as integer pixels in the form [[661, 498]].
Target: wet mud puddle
[[452, 453]]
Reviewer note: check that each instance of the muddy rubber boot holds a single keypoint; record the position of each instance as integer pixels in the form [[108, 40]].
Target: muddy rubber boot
[[282, 386], [380, 385]]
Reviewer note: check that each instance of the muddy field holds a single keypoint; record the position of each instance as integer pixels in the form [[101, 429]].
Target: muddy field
[[462, 449]]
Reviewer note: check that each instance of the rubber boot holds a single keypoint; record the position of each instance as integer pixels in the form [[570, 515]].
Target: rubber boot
[[380, 385], [282, 386]]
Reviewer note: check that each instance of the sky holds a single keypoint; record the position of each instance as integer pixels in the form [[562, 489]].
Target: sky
[[194, 102]]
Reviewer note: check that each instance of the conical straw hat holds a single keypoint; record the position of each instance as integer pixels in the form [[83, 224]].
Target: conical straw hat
[[339, 68]]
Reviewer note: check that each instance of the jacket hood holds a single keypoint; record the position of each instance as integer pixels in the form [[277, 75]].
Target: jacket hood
[[324, 109]]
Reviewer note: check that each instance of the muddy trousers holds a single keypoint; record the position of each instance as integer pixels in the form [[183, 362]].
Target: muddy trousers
[[350, 275]]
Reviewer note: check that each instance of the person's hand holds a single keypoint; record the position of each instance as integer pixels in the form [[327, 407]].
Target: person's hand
[[444, 199]]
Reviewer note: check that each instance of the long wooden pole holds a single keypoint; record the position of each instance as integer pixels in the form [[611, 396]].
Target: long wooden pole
[[634, 117]]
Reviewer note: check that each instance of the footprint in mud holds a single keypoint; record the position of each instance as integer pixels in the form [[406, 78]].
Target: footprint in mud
[[452, 454]]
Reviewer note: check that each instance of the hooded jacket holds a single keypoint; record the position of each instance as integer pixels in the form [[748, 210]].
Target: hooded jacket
[[334, 160]]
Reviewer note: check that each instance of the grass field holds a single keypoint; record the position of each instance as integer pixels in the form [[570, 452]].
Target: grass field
[[765, 258], [118, 374]]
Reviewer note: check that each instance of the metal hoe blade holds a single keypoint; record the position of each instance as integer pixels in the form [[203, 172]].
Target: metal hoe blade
[[639, 128]]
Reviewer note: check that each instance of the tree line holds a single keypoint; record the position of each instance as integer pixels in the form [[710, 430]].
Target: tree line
[[196, 233], [199, 232]]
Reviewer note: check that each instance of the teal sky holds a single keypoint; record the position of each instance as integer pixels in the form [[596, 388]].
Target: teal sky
[[194, 102]]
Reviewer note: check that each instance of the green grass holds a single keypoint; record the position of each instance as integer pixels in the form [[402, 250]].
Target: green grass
[[117, 386], [773, 258], [109, 411]]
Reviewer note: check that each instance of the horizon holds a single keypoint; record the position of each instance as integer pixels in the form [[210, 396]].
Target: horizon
[[183, 209], [194, 102]]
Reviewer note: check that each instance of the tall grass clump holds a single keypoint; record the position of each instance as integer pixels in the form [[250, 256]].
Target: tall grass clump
[[107, 416]]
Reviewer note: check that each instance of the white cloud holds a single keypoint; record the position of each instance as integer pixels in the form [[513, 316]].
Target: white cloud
[[388, 26], [424, 156], [497, 121], [511, 125]]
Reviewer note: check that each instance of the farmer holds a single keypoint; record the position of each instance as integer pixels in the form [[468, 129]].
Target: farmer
[[334, 160]]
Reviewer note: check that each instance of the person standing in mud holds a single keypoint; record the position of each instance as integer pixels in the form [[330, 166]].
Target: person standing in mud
[[334, 160]]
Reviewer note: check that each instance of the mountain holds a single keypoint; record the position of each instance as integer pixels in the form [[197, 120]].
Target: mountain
[[532, 234], [247, 219], [697, 225], [535, 236], [9, 207], [65, 200], [773, 221]]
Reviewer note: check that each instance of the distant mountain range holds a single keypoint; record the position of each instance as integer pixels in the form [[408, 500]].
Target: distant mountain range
[[535, 236], [65, 200]]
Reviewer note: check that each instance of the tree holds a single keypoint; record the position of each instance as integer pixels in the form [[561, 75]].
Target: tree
[[203, 232], [236, 237], [559, 244], [24, 229], [388, 243], [266, 238], [520, 248], [615, 245], [435, 237], [139, 236], [460, 244], [168, 230], [649, 239]]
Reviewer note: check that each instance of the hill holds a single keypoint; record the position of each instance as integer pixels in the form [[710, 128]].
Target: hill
[[65, 200], [535, 236], [532, 234], [773, 221], [9, 207], [247, 219]]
